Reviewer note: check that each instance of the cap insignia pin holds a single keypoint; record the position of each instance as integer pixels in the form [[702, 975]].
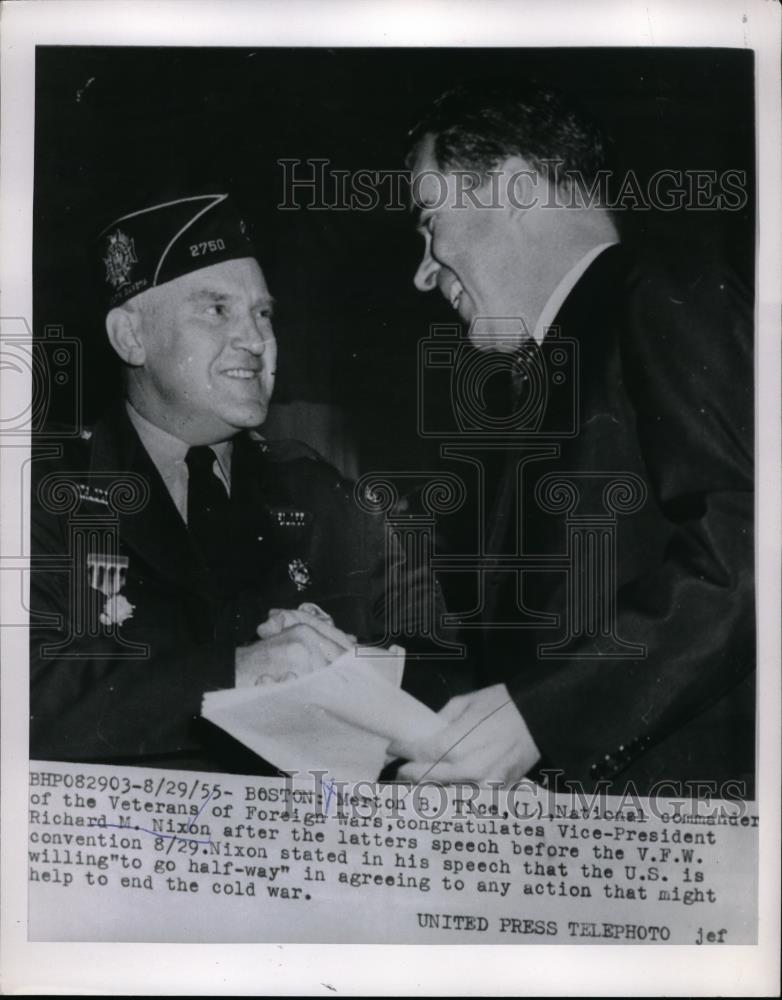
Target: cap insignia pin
[[120, 258]]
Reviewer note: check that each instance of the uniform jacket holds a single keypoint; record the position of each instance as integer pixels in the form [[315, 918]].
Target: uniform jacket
[[662, 358], [112, 688]]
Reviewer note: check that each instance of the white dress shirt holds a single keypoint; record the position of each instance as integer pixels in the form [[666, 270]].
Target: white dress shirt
[[168, 454], [564, 288]]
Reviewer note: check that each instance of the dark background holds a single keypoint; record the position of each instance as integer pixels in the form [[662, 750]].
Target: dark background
[[113, 124]]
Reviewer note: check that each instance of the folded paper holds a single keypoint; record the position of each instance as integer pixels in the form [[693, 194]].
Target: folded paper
[[340, 719]]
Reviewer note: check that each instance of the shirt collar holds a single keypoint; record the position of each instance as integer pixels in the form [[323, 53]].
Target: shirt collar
[[564, 288], [167, 451]]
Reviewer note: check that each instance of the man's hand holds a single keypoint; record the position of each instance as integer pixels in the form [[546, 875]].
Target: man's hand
[[291, 644], [310, 615], [485, 739]]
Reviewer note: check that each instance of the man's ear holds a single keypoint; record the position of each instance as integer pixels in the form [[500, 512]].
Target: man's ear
[[123, 327], [524, 186]]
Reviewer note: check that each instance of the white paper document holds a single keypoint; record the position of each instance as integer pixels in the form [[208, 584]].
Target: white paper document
[[341, 719]]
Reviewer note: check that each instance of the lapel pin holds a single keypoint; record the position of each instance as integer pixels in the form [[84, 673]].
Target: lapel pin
[[299, 572]]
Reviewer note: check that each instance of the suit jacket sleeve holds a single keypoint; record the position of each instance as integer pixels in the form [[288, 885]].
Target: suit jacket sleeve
[[394, 598], [86, 700], [687, 361]]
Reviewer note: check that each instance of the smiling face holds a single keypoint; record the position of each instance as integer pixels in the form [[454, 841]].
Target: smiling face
[[205, 368], [471, 251]]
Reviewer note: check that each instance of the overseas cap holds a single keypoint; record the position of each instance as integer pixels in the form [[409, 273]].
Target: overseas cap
[[167, 239]]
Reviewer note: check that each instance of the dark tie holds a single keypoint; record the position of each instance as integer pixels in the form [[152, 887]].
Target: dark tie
[[526, 370], [515, 398], [208, 508]]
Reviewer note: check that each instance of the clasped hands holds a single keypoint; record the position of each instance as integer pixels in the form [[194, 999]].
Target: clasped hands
[[291, 643], [484, 738]]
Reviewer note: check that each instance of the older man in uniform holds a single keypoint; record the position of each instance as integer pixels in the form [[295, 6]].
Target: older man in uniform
[[174, 551], [633, 663]]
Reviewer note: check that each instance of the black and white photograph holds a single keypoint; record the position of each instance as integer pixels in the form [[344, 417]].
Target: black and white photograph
[[387, 492]]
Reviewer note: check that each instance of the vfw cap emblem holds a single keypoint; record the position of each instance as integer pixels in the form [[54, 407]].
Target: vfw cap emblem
[[120, 258]]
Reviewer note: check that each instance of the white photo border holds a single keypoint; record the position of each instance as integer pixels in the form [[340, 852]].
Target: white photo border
[[86, 968]]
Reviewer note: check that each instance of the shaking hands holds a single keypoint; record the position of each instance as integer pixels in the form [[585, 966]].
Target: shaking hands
[[291, 643]]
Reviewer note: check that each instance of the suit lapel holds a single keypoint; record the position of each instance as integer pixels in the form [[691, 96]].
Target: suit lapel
[[273, 528], [250, 534], [581, 310], [155, 532]]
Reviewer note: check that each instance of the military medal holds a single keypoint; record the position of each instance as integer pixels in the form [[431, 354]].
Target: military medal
[[107, 574], [116, 610]]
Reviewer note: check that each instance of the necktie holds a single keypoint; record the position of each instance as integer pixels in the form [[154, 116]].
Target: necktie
[[514, 398], [208, 508]]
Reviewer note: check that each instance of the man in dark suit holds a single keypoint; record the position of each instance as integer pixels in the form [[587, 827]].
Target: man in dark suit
[[618, 634], [174, 550]]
